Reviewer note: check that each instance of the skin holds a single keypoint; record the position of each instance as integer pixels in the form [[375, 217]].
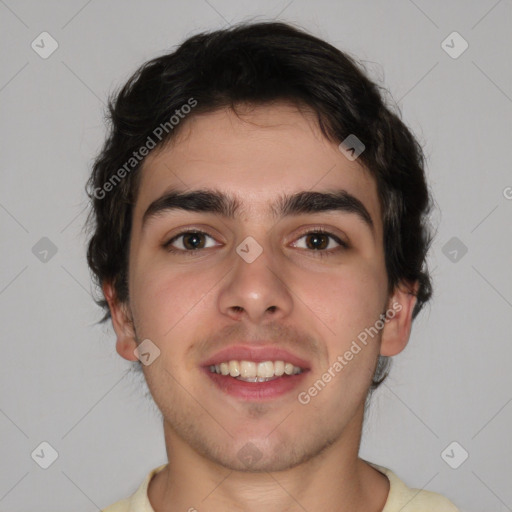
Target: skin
[[315, 307]]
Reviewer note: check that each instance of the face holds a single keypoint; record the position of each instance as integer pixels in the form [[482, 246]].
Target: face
[[293, 282]]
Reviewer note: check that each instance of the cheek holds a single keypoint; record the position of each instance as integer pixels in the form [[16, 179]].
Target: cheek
[[346, 301], [163, 301], [167, 309]]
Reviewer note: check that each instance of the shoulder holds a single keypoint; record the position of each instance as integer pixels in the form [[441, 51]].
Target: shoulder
[[405, 499], [138, 501], [119, 506]]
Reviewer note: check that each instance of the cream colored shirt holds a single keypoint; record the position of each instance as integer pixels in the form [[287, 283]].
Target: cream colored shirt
[[400, 498]]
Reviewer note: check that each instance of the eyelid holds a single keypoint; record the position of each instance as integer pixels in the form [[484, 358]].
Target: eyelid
[[169, 239], [325, 231], [342, 244], [192, 228]]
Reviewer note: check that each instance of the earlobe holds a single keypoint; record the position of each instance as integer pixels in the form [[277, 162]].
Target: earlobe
[[122, 324], [397, 328]]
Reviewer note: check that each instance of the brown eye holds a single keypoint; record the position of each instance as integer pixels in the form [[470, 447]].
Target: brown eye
[[321, 242], [188, 241], [317, 241], [193, 241]]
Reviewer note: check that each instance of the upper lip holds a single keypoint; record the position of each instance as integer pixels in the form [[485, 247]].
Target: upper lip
[[254, 353]]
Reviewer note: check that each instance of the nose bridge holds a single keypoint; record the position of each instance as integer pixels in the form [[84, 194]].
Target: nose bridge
[[255, 288]]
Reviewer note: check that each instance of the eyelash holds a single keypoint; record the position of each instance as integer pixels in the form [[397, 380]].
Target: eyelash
[[322, 253]]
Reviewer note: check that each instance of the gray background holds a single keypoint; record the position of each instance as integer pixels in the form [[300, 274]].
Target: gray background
[[62, 381]]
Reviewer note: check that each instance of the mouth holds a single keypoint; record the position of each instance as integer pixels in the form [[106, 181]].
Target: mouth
[[255, 373], [252, 371]]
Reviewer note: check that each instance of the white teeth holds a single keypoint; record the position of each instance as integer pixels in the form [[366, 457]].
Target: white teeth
[[251, 371], [278, 368], [248, 370], [266, 369], [234, 368]]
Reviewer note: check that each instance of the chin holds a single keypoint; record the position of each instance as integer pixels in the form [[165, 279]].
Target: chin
[[259, 455]]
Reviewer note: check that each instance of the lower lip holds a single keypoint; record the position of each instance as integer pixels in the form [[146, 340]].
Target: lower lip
[[256, 391]]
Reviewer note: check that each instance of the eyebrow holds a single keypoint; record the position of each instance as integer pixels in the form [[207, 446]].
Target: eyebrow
[[217, 202]]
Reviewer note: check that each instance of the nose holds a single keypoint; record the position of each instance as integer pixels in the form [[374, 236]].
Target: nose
[[256, 291]]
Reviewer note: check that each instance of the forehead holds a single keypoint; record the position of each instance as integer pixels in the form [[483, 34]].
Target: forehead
[[254, 155]]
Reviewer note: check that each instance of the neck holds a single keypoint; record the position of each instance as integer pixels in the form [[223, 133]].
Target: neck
[[335, 479]]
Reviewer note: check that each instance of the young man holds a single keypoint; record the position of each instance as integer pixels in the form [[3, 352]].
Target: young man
[[260, 238]]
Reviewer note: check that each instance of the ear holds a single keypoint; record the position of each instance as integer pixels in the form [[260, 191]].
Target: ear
[[122, 323], [397, 328]]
